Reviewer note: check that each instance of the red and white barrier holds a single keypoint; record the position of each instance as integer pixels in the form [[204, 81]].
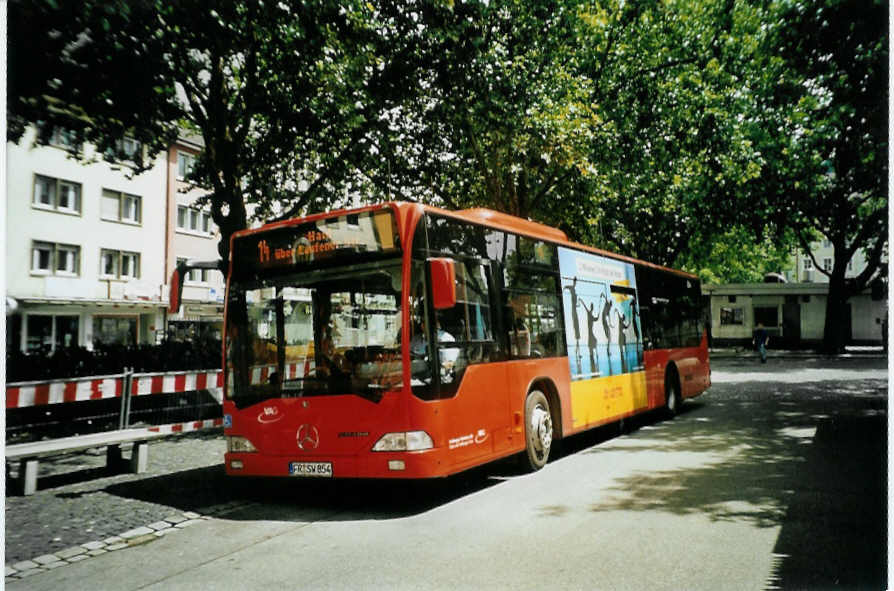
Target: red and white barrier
[[261, 373], [167, 383], [25, 394], [187, 427]]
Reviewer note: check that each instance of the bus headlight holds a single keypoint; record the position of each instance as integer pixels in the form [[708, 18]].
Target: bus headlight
[[404, 441], [236, 444]]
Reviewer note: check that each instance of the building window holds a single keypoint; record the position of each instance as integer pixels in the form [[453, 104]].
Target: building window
[[56, 195], [115, 330], [51, 332], [808, 264], [42, 257], [48, 258], [185, 164], [732, 316], [194, 221], [827, 243], [827, 264], [40, 333], [121, 207], [125, 149], [116, 264], [63, 138]]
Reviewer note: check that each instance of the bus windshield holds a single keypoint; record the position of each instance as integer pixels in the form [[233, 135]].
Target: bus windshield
[[324, 332]]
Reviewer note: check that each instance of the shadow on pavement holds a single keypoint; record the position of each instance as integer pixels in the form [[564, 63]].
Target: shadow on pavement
[[210, 491], [815, 469], [836, 536]]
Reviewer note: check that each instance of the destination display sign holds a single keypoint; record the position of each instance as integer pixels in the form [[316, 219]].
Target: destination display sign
[[334, 240]]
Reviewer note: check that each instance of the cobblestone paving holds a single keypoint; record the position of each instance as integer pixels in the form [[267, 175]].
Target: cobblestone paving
[[78, 503]]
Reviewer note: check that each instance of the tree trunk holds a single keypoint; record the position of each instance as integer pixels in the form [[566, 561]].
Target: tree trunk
[[835, 330]]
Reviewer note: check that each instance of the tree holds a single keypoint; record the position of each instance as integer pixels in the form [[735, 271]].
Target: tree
[[820, 121], [615, 121], [500, 118], [285, 95]]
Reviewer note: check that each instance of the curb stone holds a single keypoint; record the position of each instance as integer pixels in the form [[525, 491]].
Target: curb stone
[[128, 539]]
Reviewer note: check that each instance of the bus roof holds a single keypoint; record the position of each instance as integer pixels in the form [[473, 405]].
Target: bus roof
[[481, 216], [505, 221]]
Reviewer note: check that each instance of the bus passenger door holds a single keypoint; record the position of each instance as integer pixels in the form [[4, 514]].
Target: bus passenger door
[[468, 348]]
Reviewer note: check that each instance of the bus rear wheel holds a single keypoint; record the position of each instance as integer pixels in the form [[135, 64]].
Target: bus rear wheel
[[538, 429], [672, 397]]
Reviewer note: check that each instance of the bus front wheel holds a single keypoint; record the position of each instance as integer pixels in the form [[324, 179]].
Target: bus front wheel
[[538, 429]]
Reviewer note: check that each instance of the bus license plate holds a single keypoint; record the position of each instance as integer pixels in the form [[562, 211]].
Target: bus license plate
[[318, 469]]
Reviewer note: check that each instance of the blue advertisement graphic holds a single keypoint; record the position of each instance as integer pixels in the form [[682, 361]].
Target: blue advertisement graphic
[[602, 322]]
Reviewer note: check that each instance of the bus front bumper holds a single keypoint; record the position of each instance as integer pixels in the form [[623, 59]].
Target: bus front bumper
[[416, 464]]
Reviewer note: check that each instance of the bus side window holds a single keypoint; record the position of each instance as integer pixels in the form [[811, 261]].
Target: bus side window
[[532, 315]]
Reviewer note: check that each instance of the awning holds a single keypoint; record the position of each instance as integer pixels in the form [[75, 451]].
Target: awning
[[119, 304]]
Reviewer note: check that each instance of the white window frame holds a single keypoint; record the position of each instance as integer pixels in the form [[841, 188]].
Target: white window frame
[[807, 265], [62, 138], [196, 222], [55, 253], [131, 261], [128, 147], [109, 254], [118, 256], [55, 188], [72, 255], [122, 199], [137, 208], [827, 264], [37, 248], [185, 164]]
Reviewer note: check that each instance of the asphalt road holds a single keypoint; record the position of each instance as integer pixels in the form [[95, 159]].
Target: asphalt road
[[775, 478]]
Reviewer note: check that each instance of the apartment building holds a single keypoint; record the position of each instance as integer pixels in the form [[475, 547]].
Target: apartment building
[[190, 234], [803, 269], [90, 248]]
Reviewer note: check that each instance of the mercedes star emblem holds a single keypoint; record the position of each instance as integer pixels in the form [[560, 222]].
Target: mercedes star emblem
[[308, 437]]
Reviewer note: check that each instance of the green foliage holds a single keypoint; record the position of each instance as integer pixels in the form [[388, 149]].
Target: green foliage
[[734, 256], [707, 135], [283, 94], [820, 119]]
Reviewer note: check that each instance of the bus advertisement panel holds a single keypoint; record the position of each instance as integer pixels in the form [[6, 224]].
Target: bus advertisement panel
[[603, 332]]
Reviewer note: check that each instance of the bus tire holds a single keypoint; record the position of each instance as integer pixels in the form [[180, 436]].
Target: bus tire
[[672, 397], [538, 430]]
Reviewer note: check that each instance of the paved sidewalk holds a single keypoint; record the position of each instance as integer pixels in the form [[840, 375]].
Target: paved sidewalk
[[79, 508], [748, 353]]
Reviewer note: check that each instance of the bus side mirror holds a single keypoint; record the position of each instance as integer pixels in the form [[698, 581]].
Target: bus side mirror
[[443, 283], [175, 297], [176, 292]]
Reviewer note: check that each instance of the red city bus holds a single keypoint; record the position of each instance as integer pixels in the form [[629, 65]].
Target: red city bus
[[406, 341]]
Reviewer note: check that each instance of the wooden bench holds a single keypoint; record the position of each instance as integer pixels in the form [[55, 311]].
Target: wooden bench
[[28, 454]]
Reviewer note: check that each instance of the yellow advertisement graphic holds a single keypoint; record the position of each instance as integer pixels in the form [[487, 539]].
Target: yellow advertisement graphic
[[599, 399]]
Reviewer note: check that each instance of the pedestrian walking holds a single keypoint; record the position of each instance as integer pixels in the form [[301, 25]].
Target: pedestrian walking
[[760, 341]]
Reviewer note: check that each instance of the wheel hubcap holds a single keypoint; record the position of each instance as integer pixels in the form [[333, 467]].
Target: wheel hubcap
[[541, 428]]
